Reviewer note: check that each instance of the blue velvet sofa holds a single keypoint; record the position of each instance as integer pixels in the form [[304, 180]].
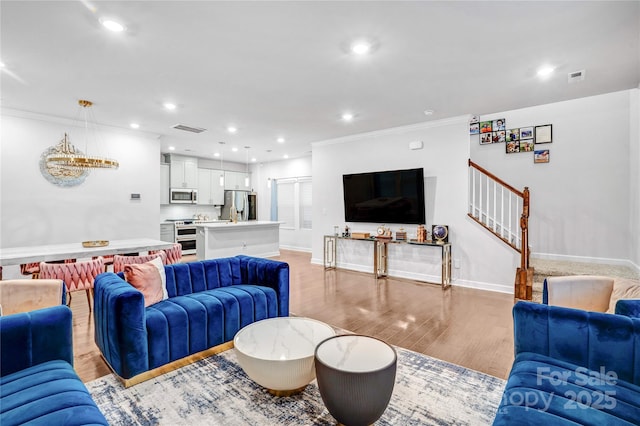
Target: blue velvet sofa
[[209, 302], [38, 385], [573, 367]]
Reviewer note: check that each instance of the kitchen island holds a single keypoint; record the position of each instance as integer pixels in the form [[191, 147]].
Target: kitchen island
[[253, 238]]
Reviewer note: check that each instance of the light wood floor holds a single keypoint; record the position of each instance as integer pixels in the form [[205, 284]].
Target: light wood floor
[[468, 327]]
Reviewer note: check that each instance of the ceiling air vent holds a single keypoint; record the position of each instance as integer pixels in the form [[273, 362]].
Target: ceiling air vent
[[576, 76], [188, 128]]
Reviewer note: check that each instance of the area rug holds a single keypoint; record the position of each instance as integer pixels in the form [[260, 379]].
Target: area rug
[[216, 391]]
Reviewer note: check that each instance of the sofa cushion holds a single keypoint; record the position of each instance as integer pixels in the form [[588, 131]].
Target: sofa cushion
[[544, 390], [183, 325], [623, 289], [47, 394], [149, 278]]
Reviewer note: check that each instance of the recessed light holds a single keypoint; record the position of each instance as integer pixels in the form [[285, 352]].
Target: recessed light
[[545, 71], [216, 154], [428, 112], [172, 148], [2, 65], [253, 159], [169, 106], [361, 47], [232, 129], [112, 25], [280, 140], [134, 125], [234, 149], [285, 156], [347, 116]]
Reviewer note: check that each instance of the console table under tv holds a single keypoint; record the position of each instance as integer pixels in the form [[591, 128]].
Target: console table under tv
[[380, 255]]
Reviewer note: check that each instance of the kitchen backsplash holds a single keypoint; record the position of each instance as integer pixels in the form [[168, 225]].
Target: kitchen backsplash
[[182, 211]]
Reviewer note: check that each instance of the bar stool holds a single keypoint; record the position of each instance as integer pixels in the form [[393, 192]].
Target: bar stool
[[119, 262], [76, 276], [174, 254]]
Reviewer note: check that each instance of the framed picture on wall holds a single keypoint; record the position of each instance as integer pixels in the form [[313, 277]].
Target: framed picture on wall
[[526, 145], [497, 137], [526, 132], [541, 156], [513, 135], [485, 138], [474, 128], [474, 119], [498, 124], [512, 147], [543, 134], [485, 127]]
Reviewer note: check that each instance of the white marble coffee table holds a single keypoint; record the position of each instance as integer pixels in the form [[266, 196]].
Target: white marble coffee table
[[278, 353]]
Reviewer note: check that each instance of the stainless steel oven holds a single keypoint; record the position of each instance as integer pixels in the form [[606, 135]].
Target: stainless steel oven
[[186, 236]]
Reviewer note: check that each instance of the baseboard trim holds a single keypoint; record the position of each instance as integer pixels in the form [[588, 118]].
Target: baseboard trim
[[431, 279], [587, 259], [173, 365]]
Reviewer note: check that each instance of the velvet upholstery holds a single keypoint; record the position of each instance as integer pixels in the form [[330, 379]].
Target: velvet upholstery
[[209, 302], [572, 367], [38, 385]]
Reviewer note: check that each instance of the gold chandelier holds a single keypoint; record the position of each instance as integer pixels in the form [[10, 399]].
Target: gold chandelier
[[66, 155]]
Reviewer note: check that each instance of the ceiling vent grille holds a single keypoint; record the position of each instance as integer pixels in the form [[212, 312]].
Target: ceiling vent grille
[[188, 128], [576, 76]]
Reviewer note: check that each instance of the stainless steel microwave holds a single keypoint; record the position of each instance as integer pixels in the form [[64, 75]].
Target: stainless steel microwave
[[183, 196]]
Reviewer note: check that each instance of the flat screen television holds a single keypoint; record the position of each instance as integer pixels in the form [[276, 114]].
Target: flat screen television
[[395, 196]]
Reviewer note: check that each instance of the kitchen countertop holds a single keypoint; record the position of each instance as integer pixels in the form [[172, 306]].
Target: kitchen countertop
[[243, 224]]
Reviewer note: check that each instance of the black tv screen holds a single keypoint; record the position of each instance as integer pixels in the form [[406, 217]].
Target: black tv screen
[[395, 196]]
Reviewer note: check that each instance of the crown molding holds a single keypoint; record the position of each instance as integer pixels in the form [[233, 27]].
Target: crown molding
[[462, 119], [70, 122]]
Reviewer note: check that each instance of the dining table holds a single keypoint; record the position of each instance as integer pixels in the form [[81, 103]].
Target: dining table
[[52, 252]]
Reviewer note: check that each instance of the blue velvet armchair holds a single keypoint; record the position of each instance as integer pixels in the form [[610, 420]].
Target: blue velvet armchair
[[38, 384], [573, 367]]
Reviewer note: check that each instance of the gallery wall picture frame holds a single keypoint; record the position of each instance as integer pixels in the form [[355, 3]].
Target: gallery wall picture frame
[[485, 127], [512, 147], [474, 119], [543, 134], [498, 124], [526, 145], [541, 156], [485, 138], [513, 135], [497, 137], [474, 128], [526, 132]]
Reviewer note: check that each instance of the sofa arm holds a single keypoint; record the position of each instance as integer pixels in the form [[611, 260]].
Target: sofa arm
[[592, 340], [119, 321], [628, 307], [268, 273], [35, 337]]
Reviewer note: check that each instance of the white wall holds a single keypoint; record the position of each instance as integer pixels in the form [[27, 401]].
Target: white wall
[[484, 261], [34, 211], [583, 206], [296, 167], [634, 161]]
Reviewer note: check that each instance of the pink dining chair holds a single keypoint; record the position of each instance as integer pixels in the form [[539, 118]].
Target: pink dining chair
[[33, 268], [119, 262], [174, 254], [77, 276]]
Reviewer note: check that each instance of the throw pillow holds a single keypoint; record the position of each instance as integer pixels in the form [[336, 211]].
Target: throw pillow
[[623, 289], [149, 278]]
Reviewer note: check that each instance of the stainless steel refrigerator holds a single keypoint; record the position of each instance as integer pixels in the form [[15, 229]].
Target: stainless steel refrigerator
[[245, 203]]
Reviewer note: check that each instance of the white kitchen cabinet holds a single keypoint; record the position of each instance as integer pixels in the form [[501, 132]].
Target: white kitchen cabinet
[[184, 172], [164, 183], [209, 190], [235, 180]]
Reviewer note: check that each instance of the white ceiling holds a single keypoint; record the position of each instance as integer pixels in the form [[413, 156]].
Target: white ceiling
[[281, 68]]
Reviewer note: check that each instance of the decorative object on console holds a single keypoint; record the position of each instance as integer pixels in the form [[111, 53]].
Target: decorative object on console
[[347, 232], [401, 235], [360, 235], [421, 234], [95, 243], [383, 233], [440, 233]]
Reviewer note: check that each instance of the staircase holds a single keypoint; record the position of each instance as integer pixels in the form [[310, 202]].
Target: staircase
[[503, 211]]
